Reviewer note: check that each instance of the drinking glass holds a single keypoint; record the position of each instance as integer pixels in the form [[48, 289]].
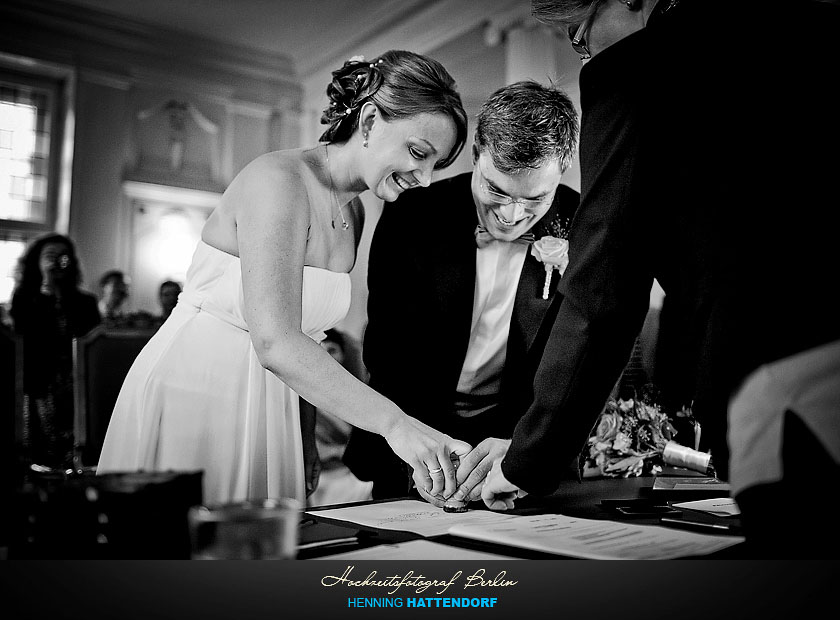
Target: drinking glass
[[264, 529]]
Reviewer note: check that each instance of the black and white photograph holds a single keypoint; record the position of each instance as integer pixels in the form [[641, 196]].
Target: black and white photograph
[[425, 298]]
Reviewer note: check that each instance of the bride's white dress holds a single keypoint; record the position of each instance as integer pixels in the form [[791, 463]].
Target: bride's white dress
[[197, 397]]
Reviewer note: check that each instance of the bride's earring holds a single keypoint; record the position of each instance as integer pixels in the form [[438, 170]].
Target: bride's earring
[[366, 117]]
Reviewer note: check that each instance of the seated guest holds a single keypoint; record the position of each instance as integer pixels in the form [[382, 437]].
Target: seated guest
[[453, 261], [325, 436], [168, 297], [113, 293], [49, 310]]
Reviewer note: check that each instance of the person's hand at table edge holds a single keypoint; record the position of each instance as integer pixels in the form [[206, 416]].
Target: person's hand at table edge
[[498, 492]]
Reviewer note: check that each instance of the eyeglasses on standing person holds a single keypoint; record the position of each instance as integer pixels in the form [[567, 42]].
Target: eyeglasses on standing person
[[577, 35]]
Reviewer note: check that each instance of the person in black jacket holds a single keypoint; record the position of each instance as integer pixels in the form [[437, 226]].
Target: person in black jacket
[[49, 310], [696, 170], [458, 300]]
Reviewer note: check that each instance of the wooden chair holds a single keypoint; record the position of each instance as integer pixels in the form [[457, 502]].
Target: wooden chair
[[101, 360], [11, 414], [11, 393]]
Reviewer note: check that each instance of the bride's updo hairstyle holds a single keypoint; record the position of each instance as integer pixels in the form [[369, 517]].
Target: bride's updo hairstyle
[[401, 85]]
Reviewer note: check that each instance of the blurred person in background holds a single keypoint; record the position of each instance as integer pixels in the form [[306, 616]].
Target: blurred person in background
[[48, 310], [168, 298], [114, 290], [325, 436]]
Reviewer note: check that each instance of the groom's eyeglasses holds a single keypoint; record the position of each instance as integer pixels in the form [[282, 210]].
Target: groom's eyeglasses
[[501, 199], [504, 200]]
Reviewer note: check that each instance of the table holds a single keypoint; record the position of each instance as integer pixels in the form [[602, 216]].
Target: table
[[572, 498]]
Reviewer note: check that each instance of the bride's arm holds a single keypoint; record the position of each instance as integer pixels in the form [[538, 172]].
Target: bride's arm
[[272, 220]]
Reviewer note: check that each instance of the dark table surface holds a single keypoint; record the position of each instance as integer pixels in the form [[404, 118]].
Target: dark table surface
[[572, 498]]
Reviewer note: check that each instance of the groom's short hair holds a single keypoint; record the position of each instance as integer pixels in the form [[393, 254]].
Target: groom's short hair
[[524, 124]]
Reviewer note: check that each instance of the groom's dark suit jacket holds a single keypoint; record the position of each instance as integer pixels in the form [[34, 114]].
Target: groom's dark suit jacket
[[421, 281]]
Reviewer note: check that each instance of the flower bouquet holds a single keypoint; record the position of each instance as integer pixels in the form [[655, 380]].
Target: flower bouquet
[[628, 440]]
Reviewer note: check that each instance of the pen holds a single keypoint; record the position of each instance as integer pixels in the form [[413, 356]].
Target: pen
[[697, 526]]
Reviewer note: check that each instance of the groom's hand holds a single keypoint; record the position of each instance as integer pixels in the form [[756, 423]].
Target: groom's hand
[[474, 467]]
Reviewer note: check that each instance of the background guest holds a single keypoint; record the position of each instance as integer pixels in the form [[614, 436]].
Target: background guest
[[114, 290], [49, 310], [168, 297], [331, 434]]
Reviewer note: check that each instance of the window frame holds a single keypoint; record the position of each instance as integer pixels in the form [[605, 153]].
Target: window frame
[[60, 82]]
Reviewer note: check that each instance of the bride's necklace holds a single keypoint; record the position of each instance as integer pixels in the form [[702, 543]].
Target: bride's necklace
[[344, 224]]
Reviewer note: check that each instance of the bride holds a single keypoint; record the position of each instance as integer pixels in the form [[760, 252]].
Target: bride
[[217, 387]]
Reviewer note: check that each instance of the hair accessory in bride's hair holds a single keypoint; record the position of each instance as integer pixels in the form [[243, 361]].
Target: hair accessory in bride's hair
[[358, 58]]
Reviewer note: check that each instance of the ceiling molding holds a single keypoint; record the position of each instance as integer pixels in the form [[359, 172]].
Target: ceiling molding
[[383, 20], [94, 38], [423, 31], [94, 76], [156, 192]]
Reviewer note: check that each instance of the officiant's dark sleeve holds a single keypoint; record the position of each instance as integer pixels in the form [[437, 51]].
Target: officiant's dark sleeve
[[607, 291]]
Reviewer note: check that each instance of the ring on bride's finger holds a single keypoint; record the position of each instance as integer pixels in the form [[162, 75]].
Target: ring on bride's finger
[[436, 471]]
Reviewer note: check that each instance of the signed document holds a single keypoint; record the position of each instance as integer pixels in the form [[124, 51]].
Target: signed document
[[412, 516], [595, 539], [416, 550]]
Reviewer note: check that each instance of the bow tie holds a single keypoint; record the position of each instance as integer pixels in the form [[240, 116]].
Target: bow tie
[[483, 238]]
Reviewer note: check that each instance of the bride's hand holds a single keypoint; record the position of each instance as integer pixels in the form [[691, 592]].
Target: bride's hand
[[429, 453]]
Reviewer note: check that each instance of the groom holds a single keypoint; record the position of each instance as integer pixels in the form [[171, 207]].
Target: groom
[[460, 307]]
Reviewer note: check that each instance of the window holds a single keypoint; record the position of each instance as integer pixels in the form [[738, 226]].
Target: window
[[25, 129], [10, 250], [33, 98]]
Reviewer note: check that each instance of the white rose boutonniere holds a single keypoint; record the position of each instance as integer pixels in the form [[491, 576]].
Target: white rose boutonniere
[[554, 254]]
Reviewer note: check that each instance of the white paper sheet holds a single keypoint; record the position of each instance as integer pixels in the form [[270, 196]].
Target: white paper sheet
[[416, 550], [665, 483], [719, 506], [596, 539], [411, 516]]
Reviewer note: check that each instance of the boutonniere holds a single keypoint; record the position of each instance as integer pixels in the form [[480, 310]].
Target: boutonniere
[[553, 253]]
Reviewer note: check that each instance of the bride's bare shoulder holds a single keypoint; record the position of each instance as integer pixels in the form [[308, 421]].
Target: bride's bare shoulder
[[263, 188], [284, 169]]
